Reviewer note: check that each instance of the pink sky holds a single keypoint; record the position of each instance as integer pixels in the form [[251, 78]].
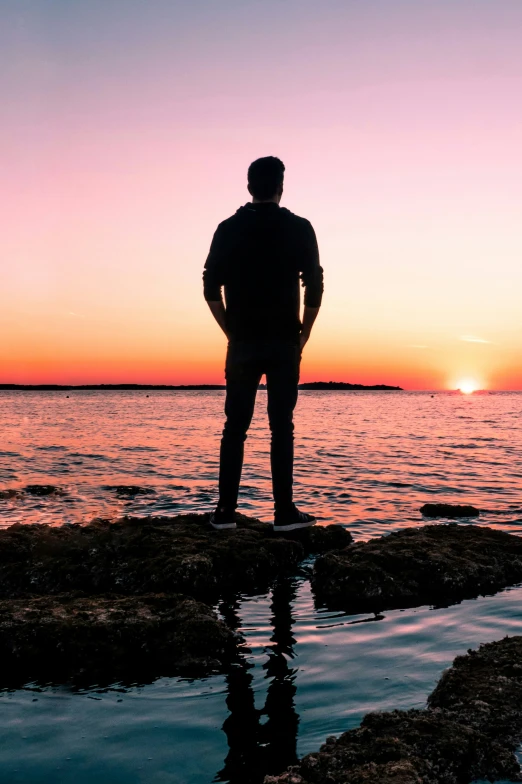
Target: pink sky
[[128, 132]]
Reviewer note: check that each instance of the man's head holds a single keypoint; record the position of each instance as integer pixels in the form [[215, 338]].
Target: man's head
[[265, 179]]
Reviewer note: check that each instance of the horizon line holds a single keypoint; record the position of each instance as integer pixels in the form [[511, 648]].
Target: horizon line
[[136, 385], [50, 386]]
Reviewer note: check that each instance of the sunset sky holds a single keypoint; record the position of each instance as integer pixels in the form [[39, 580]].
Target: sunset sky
[[127, 129]]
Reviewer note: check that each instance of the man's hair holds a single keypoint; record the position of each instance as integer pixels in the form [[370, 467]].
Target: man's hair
[[265, 175]]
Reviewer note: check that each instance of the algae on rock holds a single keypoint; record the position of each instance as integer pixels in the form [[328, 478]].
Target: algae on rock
[[113, 597], [154, 555], [431, 564], [106, 638]]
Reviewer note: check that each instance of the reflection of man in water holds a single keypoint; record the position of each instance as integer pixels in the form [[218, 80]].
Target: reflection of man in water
[[258, 256], [262, 741]]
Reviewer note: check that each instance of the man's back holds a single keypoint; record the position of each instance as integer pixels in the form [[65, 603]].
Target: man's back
[[258, 255]]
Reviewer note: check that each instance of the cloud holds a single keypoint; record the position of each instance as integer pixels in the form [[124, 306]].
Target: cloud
[[473, 339]]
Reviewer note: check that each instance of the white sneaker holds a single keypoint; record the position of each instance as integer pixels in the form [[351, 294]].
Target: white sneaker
[[222, 520], [293, 521]]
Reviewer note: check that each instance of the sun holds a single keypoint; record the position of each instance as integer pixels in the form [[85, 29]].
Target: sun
[[467, 386]]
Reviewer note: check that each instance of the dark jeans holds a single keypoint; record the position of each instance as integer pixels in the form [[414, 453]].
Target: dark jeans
[[245, 365]]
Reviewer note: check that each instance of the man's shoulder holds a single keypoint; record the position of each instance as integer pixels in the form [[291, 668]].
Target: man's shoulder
[[297, 220], [226, 223], [232, 221]]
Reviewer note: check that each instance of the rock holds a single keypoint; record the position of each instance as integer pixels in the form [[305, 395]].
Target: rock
[[154, 555], [403, 747], [484, 688], [433, 564], [39, 490], [109, 599], [44, 490], [102, 639], [129, 490], [470, 730], [449, 510], [10, 493]]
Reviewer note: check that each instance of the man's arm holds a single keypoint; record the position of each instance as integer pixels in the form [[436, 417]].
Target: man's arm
[[309, 316], [213, 279], [217, 309], [312, 277]]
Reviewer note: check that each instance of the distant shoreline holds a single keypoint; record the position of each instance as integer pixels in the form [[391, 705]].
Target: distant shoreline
[[313, 385]]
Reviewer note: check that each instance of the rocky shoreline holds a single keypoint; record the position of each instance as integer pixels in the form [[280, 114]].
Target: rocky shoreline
[[139, 593], [141, 555], [432, 564], [469, 730], [113, 600]]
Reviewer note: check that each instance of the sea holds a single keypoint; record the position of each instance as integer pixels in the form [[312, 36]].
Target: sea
[[365, 460]]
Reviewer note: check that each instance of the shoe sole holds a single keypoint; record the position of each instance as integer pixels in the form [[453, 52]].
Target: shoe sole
[[223, 526], [294, 526]]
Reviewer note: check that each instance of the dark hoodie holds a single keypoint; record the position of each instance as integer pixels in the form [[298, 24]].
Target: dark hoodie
[[258, 255]]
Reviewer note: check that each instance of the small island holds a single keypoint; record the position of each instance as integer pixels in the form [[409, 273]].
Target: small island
[[105, 387], [337, 385]]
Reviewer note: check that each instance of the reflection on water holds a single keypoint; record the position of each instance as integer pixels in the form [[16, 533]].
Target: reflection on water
[[263, 740], [368, 460]]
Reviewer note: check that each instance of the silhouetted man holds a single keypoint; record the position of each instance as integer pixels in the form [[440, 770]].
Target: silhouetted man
[[258, 256]]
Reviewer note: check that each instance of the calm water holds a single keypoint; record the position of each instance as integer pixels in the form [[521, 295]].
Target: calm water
[[367, 460]]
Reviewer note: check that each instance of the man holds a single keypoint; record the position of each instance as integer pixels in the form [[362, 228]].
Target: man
[[258, 256]]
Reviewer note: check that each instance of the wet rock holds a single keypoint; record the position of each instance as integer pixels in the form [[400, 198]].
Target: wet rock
[[129, 491], [5, 495], [38, 490], [44, 490], [153, 555], [433, 564], [484, 688], [320, 538], [449, 510], [470, 730], [102, 639], [403, 747]]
